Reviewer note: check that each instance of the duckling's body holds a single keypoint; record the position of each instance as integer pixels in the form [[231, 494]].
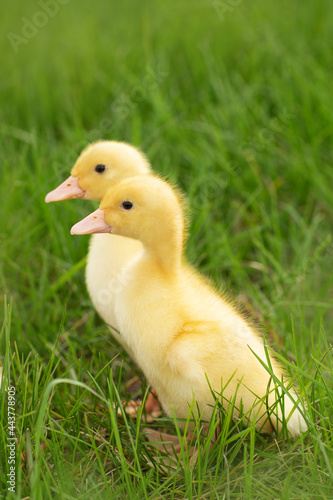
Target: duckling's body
[[181, 331], [182, 334], [108, 256]]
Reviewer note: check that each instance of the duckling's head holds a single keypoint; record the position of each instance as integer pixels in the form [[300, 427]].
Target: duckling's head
[[145, 208], [99, 166]]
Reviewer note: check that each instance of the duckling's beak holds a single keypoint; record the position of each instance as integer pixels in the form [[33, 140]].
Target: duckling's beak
[[66, 191], [94, 223]]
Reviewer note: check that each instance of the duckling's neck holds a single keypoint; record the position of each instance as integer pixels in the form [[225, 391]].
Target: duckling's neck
[[164, 249], [168, 258]]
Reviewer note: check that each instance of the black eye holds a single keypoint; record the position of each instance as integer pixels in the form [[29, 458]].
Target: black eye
[[127, 205], [100, 168]]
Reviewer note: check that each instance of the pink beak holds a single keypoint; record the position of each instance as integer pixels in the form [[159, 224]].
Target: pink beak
[[68, 190], [94, 223]]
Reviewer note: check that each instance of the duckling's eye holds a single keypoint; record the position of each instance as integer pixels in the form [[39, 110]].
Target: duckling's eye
[[127, 205], [100, 168]]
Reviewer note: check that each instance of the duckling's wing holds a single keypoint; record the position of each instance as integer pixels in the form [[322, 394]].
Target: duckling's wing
[[194, 348]]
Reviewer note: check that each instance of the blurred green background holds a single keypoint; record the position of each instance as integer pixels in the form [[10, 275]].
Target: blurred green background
[[230, 99]]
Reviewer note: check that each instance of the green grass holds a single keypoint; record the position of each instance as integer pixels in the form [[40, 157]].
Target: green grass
[[235, 106]]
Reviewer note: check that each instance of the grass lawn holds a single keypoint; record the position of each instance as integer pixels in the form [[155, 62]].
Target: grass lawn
[[231, 100]]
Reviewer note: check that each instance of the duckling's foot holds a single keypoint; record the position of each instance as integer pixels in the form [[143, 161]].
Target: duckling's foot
[[162, 440], [152, 404], [170, 444], [152, 408]]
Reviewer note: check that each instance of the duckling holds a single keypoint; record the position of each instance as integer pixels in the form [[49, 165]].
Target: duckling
[[188, 339], [99, 166]]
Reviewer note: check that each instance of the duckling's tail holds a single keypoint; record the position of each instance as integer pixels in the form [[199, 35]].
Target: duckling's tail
[[289, 409], [296, 423]]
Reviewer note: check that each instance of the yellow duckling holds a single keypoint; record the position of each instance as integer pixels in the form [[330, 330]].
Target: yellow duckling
[[181, 331], [99, 166]]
